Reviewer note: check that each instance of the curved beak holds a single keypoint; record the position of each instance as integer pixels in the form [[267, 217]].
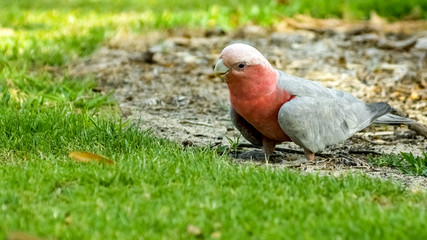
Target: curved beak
[[221, 68]]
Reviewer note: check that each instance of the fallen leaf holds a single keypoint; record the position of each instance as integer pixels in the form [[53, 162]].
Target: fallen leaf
[[6, 32], [21, 236], [216, 234], [251, 31], [68, 220], [87, 157], [414, 95], [377, 22], [194, 230]]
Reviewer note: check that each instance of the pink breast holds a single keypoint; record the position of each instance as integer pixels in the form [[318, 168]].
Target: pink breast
[[262, 113]]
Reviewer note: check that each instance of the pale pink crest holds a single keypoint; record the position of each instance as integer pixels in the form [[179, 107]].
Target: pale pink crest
[[240, 52]]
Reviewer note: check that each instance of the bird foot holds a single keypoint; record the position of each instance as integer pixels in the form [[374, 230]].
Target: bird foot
[[309, 154], [268, 146]]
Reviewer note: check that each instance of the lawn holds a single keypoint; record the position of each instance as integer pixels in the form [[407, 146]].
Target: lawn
[[158, 189]]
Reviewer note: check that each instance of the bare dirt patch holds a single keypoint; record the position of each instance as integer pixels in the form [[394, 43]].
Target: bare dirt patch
[[166, 81]]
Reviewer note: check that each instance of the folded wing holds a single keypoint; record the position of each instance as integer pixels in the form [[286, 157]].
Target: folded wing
[[318, 116]]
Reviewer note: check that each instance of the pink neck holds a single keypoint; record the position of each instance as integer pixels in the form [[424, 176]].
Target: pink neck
[[258, 82]]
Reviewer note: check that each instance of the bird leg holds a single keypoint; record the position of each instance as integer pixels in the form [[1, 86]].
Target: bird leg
[[268, 146], [308, 154]]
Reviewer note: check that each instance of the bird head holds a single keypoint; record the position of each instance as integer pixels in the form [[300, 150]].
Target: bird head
[[237, 58], [245, 70]]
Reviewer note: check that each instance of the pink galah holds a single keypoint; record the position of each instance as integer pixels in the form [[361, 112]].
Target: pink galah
[[270, 107]]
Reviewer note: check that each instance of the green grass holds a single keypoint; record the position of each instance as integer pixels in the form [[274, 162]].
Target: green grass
[[157, 188], [405, 162], [20, 89]]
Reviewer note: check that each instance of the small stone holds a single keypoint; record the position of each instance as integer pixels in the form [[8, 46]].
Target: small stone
[[150, 101], [180, 101], [187, 143], [182, 41], [147, 57], [421, 44], [401, 133], [166, 46], [285, 39]]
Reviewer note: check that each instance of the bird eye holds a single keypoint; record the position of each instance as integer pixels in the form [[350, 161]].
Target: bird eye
[[241, 65]]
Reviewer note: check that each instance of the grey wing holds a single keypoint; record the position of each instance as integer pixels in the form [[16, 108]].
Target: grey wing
[[314, 123], [248, 131], [303, 87]]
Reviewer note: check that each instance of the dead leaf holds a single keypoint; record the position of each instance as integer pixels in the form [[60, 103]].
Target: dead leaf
[[194, 230], [68, 220], [376, 22], [216, 234], [405, 89], [87, 157], [6, 32], [251, 31], [414, 94], [21, 236]]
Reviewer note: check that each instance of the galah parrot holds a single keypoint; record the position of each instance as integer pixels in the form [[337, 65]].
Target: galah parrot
[[269, 106]]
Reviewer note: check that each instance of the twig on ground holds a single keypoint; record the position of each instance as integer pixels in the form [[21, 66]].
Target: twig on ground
[[196, 123], [363, 151], [288, 150], [398, 45], [419, 128], [375, 134]]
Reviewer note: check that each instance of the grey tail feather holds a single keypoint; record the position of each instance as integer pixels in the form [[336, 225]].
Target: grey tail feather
[[383, 116], [379, 109], [393, 119]]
